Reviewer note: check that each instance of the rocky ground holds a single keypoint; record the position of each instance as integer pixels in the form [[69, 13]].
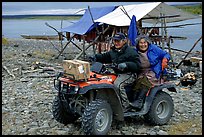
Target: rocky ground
[[28, 70]]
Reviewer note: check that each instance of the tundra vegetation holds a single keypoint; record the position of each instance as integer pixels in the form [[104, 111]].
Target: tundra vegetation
[[194, 9]]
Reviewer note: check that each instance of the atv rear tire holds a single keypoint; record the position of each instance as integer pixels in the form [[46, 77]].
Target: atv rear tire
[[161, 109], [97, 118], [60, 114]]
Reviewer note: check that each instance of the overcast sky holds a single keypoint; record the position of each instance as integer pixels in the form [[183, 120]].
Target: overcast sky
[[37, 7]]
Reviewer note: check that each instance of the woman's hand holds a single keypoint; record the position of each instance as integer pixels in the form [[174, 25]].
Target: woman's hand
[[164, 63]]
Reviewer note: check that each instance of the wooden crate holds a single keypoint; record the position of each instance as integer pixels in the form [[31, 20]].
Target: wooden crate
[[76, 69]]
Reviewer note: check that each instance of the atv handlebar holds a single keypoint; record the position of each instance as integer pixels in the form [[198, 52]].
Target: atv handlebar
[[101, 68]]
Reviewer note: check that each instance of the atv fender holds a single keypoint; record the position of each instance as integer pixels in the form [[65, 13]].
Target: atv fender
[[154, 90], [150, 97], [107, 92]]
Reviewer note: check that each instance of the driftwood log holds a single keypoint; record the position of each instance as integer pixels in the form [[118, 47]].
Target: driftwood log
[[8, 71], [41, 76]]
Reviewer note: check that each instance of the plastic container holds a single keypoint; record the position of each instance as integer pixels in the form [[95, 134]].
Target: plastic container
[[200, 65]]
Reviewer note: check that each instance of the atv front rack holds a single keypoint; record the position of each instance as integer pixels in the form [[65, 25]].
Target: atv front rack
[[65, 87]]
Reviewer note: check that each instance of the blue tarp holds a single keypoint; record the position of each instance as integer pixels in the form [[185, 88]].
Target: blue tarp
[[85, 24], [132, 31]]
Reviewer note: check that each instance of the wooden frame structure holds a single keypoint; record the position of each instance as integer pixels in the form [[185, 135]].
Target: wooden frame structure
[[98, 38]]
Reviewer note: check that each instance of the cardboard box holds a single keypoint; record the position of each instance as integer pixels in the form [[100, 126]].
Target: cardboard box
[[76, 69]]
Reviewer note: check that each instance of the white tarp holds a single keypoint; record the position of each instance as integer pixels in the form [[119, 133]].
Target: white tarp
[[153, 9]]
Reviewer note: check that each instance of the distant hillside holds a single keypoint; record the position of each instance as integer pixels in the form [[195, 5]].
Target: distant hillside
[[51, 17], [191, 8]]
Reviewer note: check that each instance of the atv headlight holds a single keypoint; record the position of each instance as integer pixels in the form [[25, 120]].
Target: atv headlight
[[76, 88]]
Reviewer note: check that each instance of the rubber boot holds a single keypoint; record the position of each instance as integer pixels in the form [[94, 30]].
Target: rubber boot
[[139, 101]]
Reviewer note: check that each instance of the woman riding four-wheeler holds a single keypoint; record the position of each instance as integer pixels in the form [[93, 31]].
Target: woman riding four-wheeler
[[97, 102]]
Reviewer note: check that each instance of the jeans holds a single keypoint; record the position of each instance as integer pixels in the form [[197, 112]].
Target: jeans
[[121, 81]]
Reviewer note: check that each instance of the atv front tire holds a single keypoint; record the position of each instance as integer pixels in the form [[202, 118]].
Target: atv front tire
[[61, 114], [97, 118], [161, 109]]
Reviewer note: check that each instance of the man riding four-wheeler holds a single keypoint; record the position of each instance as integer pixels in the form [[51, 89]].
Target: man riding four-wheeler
[[97, 101]]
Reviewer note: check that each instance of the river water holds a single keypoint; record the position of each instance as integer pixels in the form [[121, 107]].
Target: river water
[[15, 27]]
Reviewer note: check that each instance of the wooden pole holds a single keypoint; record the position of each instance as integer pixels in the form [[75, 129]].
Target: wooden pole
[[189, 51], [125, 12], [65, 46], [93, 20]]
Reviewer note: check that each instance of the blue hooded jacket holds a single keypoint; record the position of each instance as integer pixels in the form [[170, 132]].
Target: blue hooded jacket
[[155, 55]]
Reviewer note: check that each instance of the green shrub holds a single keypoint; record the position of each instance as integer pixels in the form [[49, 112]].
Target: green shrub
[[4, 41]]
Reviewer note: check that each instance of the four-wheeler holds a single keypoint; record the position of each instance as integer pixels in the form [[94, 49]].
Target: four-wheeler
[[97, 102]]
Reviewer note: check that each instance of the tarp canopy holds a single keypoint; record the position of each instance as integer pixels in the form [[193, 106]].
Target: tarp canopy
[[153, 9], [85, 24]]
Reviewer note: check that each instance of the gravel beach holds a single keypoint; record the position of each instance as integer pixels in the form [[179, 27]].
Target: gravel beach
[[28, 71]]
